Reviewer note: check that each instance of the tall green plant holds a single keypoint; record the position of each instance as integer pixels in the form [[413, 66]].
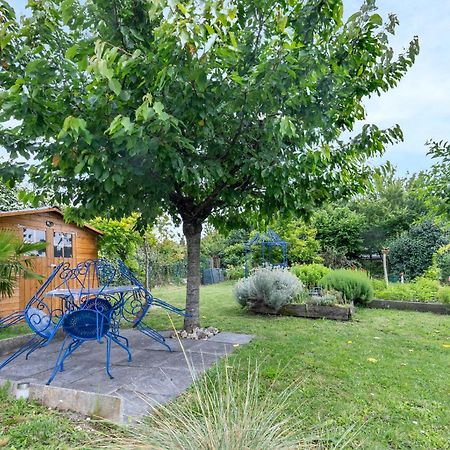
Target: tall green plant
[[15, 261], [218, 111], [412, 253], [354, 285], [310, 274], [120, 238]]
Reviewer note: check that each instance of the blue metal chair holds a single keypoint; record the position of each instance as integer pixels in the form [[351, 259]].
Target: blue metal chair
[[91, 322], [138, 307], [46, 309], [43, 320]]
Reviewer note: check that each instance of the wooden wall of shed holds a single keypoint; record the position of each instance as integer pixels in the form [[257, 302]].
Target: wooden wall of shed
[[84, 247]]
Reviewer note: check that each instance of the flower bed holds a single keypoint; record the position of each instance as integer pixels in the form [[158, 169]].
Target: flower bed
[[311, 311], [419, 290]]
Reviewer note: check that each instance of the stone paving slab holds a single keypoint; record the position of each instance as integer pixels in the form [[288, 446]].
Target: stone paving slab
[[154, 376]]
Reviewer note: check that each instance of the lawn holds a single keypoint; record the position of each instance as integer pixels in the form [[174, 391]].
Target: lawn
[[386, 371]]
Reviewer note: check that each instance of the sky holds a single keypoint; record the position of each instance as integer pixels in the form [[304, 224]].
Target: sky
[[420, 103]]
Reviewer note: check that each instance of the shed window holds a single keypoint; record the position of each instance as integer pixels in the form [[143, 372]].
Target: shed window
[[31, 236], [62, 244]]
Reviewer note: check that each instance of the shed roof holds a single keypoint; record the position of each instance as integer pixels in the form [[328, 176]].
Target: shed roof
[[43, 209]]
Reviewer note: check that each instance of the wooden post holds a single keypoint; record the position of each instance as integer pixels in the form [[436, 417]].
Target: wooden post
[[385, 252]]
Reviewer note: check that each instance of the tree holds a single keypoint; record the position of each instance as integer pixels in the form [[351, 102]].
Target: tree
[[412, 253], [340, 228], [226, 111], [213, 245], [391, 207], [436, 189], [8, 199], [303, 246], [120, 238]]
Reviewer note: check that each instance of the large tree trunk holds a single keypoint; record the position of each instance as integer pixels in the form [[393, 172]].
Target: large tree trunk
[[192, 233]]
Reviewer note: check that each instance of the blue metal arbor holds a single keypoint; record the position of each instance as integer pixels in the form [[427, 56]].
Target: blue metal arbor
[[268, 241]]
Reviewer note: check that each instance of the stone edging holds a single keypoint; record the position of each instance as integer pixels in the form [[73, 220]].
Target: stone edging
[[8, 345], [437, 308], [11, 344], [86, 403]]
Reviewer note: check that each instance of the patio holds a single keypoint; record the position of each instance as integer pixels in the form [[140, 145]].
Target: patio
[[153, 377]]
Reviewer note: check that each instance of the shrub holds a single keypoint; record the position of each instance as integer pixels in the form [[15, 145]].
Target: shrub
[[395, 291], [310, 274], [412, 253], [271, 287], [422, 289], [330, 298], [235, 272], [354, 285], [444, 294], [378, 285], [425, 290]]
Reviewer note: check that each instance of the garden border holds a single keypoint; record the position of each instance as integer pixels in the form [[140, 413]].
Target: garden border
[[308, 311], [436, 308]]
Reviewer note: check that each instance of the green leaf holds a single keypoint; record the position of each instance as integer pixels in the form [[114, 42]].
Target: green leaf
[[376, 19], [79, 167], [118, 178], [72, 51], [183, 9], [104, 70], [287, 128], [233, 39], [67, 10], [158, 107], [115, 86], [127, 124], [281, 22]]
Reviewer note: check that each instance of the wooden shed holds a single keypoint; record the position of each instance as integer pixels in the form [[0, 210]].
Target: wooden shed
[[66, 242]]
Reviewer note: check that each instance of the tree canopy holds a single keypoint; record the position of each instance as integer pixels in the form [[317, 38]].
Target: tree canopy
[[412, 253], [218, 110]]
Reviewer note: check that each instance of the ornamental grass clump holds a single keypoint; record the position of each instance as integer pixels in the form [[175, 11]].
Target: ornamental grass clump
[[354, 285], [222, 411], [270, 287]]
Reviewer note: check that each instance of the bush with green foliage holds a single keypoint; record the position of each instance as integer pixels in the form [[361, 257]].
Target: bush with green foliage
[[301, 238], [422, 289], [442, 261], [265, 286], [329, 298], [340, 228], [119, 239], [310, 274], [354, 285], [233, 255], [412, 253], [444, 294], [235, 272]]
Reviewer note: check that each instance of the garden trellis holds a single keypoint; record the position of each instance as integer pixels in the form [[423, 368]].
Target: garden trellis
[[268, 241]]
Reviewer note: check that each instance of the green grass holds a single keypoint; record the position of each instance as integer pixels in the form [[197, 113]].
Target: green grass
[[402, 397], [15, 330], [28, 425], [386, 371]]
